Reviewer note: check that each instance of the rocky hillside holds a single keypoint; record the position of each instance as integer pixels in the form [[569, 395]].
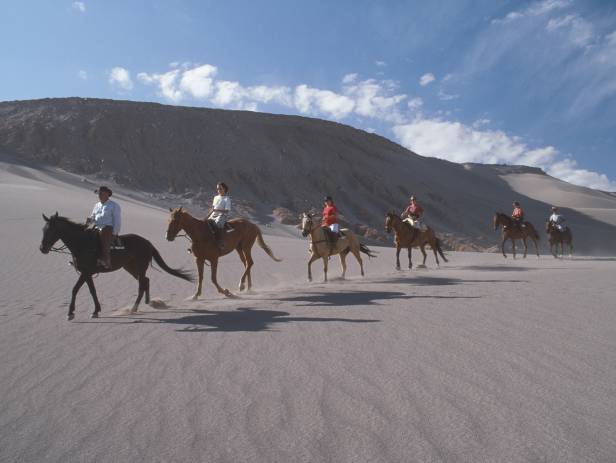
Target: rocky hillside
[[275, 165]]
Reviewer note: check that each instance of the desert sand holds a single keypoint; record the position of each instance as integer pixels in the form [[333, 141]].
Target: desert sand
[[483, 359]]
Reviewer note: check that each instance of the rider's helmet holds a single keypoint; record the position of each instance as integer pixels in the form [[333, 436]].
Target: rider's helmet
[[516, 204], [554, 209], [328, 198], [104, 189]]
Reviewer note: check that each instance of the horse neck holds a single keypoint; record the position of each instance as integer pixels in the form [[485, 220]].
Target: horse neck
[[315, 229], [504, 219], [397, 224], [73, 236], [192, 226]]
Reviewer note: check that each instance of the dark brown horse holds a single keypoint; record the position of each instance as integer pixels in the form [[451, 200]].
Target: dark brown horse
[[83, 244], [556, 237], [513, 231], [204, 246], [409, 237]]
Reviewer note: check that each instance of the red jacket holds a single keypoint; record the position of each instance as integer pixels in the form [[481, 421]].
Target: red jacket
[[330, 216], [414, 210], [517, 213]]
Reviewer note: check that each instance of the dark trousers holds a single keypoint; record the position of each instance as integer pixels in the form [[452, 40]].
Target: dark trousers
[[106, 234]]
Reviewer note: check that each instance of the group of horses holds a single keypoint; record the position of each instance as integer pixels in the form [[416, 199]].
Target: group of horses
[[136, 253]]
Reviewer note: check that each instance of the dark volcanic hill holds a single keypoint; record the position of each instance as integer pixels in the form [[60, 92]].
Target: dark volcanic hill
[[269, 161]]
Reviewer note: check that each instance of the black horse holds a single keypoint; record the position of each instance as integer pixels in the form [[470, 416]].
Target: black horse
[[84, 245]]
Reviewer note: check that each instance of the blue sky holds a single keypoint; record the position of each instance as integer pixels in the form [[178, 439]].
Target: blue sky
[[485, 81]]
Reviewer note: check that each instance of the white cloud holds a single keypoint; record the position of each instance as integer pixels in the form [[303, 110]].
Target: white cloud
[[535, 9], [380, 64], [457, 142], [349, 78], [166, 82], [443, 96], [198, 81], [120, 78], [426, 79], [79, 6], [481, 123], [579, 31], [83, 75], [374, 99], [415, 104], [312, 100]]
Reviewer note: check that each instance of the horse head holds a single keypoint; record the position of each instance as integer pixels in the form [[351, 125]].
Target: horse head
[[498, 219], [390, 218], [51, 233], [307, 223], [175, 223]]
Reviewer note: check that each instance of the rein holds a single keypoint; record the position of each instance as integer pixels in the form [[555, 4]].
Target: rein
[[60, 250]]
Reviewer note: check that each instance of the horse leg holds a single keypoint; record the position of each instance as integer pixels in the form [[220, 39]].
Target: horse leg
[[357, 255], [343, 255], [513, 247], [76, 288], [503, 247], [221, 290], [434, 248], [147, 289], [200, 264], [240, 253], [398, 248], [142, 285], [410, 254], [536, 247], [313, 257], [249, 264], [325, 258], [525, 247], [97, 305]]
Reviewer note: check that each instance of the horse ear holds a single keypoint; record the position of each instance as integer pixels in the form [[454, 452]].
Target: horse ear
[[45, 218], [56, 215], [170, 209], [181, 209]]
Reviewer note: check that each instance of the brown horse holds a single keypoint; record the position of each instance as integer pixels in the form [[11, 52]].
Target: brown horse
[[204, 246], [84, 246], [513, 232], [409, 237], [556, 237], [320, 246]]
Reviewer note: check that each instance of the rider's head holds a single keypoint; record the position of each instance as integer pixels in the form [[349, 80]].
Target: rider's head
[[554, 209], [412, 198], [104, 193], [516, 204], [222, 188], [328, 200]]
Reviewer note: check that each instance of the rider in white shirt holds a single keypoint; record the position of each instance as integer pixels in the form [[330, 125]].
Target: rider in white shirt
[[107, 219], [219, 212], [557, 219]]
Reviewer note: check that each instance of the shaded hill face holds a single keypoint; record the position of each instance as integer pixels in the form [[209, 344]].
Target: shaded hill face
[[270, 162]]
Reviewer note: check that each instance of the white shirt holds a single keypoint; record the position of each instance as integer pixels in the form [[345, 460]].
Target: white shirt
[[107, 214], [556, 218], [221, 202]]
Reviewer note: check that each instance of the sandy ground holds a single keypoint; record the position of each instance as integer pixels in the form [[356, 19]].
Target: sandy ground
[[484, 359]]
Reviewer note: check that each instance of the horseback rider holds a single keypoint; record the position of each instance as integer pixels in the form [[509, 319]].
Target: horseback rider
[[106, 217], [557, 220], [329, 221], [518, 215], [413, 214], [219, 213]]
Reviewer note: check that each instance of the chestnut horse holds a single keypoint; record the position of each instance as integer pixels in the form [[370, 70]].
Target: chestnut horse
[[513, 232], [556, 237], [204, 246], [409, 237], [320, 246], [84, 246]]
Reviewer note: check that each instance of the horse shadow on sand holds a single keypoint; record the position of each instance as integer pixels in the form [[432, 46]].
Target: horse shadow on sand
[[243, 319]]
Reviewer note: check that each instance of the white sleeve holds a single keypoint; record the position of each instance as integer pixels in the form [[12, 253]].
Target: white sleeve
[[228, 204]]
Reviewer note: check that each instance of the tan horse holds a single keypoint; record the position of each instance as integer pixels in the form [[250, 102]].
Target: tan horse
[[409, 237], [513, 232], [556, 237], [320, 246], [204, 246]]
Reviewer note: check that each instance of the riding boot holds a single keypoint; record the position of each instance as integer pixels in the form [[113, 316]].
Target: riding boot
[[220, 238], [106, 236]]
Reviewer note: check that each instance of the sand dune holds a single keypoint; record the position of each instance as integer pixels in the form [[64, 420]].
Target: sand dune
[[481, 360]]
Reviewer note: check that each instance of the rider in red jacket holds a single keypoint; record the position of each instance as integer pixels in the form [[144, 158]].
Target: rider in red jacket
[[518, 214]]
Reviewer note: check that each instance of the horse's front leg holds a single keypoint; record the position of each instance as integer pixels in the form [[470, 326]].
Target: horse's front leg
[[343, 255], [313, 257], [76, 288], [410, 252], [503, 247], [525, 247], [200, 264], [422, 248], [398, 249], [221, 290], [325, 258], [97, 305], [513, 247]]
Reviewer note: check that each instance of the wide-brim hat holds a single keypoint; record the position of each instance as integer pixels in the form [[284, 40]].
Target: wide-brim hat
[[104, 188]]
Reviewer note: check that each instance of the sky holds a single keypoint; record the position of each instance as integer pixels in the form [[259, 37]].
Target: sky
[[490, 81]]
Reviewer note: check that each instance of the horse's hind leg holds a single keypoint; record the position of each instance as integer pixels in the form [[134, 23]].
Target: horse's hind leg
[[434, 248], [76, 288], [398, 248], [525, 247], [97, 305], [503, 248], [343, 255], [359, 260], [243, 259], [513, 247], [249, 264], [410, 253]]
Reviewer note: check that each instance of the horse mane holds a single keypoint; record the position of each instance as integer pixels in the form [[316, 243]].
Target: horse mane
[[69, 222]]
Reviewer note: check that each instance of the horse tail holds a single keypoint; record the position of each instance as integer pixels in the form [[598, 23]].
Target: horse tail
[[366, 250], [264, 246], [184, 275], [440, 250]]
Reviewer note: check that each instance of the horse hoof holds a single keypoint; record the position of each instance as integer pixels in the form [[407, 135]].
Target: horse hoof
[[398, 268], [227, 293], [194, 298], [70, 316], [94, 315]]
